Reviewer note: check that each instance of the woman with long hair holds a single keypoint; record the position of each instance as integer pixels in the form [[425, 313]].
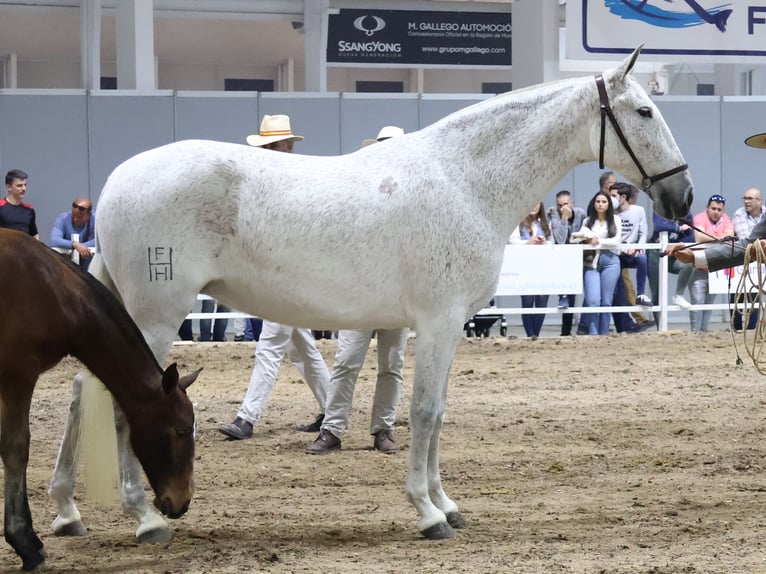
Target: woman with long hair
[[533, 230], [601, 265]]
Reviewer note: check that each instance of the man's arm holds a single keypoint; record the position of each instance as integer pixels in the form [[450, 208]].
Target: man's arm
[[58, 232]]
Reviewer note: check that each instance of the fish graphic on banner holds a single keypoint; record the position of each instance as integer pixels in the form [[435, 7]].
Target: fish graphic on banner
[[655, 15], [671, 30]]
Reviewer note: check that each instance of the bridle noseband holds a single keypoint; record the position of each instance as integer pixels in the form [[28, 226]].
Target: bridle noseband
[[647, 181]]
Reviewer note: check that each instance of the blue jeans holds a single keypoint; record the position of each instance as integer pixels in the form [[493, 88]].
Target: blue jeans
[[637, 262], [253, 329], [598, 287], [533, 323], [219, 325], [737, 315]]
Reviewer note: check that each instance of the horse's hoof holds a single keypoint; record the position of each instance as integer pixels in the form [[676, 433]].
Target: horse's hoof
[[455, 519], [36, 562], [156, 536], [72, 529], [440, 531]]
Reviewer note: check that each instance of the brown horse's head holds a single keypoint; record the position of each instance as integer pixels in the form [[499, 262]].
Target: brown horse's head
[[165, 444]]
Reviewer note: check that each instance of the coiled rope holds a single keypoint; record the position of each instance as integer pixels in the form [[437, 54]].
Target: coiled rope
[[748, 294]]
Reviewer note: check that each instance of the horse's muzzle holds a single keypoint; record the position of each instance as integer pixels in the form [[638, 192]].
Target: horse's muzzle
[[167, 508]]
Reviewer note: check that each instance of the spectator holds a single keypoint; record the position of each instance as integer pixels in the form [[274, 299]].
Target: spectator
[[725, 254], [349, 358], [710, 225], [278, 340], [533, 230], [79, 221], [677, 232], [14, 213], [745, 218], [634, 230], [601, 229], [564, 220], [605, 182]]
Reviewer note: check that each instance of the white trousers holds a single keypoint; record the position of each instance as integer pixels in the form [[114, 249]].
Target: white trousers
[[349, 358], [275, 342]]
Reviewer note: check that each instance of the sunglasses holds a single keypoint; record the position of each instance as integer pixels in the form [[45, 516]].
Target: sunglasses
[[80, 208], [717, 198]]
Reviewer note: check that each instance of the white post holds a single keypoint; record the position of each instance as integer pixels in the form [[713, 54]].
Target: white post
[[75, 254], [663, 295]]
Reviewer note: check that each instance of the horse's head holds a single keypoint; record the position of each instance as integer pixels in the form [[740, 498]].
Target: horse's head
[[633, 138], [164, 444]]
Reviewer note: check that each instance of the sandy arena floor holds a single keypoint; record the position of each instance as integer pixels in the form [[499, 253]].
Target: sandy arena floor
[[619, 454]]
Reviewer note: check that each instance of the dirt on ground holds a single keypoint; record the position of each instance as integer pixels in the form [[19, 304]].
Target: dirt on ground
[[617, 454]]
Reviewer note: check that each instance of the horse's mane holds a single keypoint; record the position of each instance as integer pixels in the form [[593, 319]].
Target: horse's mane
[[521, 99], [109, 304]]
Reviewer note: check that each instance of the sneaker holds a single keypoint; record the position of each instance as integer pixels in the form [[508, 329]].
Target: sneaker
[[637, 328], [680, 301], [325, 443], [239, 338], [314, 426], [644, 301], [384, 442], [564, 302], [238, 429]]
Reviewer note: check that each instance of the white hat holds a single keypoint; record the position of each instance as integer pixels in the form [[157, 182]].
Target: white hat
[[758, 140], [273, 129], [385, 133]]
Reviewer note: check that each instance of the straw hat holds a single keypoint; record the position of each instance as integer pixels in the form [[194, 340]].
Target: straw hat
[[385, 133], [758, 140], [273, 129]]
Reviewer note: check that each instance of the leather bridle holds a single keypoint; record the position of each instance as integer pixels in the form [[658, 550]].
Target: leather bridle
[[606, 111]]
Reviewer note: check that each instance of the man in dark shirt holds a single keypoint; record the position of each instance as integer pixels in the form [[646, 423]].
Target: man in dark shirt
[[14, 213]]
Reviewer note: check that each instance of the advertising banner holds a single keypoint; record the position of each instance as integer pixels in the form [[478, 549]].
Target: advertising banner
[[671, 30], [727, 280], [541, 270], [422, 38]]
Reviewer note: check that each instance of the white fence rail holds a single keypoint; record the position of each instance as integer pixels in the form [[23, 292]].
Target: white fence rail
[[547, 272]]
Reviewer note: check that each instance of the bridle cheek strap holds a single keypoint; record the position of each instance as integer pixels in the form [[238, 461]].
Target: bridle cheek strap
[[606, 112]]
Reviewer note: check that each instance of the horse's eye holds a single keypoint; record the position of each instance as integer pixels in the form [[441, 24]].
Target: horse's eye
[[185, 431], [645, 111]]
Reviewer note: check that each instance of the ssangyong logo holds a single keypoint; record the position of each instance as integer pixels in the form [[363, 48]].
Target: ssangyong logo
[[656, 14], [369, 24]]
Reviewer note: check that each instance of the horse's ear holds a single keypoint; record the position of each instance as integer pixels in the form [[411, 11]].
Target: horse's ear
[[186, 381], [170, 378], [627, 65]]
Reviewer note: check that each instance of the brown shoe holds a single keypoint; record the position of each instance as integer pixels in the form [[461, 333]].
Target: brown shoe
[[314, 426], [325, 443], [238, 429], [384, 442]]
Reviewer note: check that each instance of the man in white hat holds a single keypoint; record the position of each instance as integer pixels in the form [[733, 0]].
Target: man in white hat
[[349, 358], [277, 340], [275, 134]]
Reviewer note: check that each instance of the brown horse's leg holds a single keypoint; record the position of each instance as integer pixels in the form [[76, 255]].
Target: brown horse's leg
[[14, 450]]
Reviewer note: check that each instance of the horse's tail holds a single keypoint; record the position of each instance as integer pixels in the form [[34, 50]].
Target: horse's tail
[[98, 441], [100, 271]]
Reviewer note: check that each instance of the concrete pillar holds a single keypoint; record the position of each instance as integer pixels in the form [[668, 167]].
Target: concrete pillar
[[90, 44], [135, 45], [315, 27], [417, 83], [535, 42]]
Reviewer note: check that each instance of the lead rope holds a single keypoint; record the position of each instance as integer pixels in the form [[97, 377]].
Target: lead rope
[[754, 342]]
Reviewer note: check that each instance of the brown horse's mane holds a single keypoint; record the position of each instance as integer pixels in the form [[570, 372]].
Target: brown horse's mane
[[109, 303]]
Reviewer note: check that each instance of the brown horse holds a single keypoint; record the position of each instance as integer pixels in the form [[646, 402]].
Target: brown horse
[[53, 309]]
